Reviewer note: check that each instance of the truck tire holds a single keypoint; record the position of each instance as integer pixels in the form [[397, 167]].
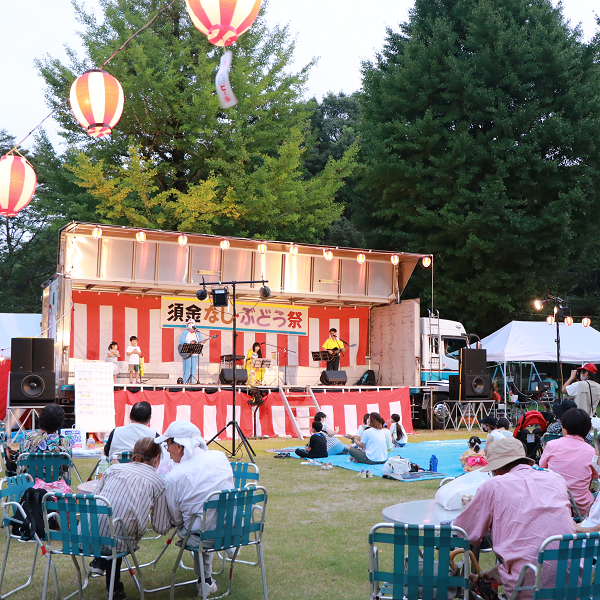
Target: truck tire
[[441, 408]]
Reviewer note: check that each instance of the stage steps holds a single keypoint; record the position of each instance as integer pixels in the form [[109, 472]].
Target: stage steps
[[292, 398]]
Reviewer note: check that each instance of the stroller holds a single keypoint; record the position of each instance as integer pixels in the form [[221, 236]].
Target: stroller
[[529, 430]]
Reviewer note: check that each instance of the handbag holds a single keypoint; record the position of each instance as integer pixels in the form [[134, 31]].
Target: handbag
[[396, 466], [450, 495]]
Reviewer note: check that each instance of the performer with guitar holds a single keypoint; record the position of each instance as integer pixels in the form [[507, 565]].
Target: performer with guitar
[[190, 361], [334, 347]]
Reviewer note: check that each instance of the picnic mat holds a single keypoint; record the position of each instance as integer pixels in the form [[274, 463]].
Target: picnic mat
[[447, 453]]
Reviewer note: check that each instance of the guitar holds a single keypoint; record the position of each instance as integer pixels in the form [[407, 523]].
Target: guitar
[[188, 354], [338, 352]]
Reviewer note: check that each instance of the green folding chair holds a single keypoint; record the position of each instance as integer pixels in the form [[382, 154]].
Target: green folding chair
[[124, 457], [574, 558], [235, 528], [11, 490], [79, 537], [244, 474], [47, 466], [413, 561]]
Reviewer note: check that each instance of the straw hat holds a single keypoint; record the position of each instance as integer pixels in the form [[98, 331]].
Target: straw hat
[[503, 452]]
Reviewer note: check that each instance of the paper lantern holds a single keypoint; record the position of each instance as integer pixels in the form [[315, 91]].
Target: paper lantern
[[97, 233], [293, 249], [17, 184], [426, 261], [140, 236], [182, 240], [262, 248], [395, 259], [328, 254], [225, 244], [586, 321], [550, 319], [223, 21], [569, 321], [97, 102], [360, 259]]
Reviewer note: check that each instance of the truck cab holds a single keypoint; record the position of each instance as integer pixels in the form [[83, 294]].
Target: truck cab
[[440, 341]]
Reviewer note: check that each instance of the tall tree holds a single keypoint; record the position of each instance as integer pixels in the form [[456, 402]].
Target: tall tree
[[481, 129], [177, 160]]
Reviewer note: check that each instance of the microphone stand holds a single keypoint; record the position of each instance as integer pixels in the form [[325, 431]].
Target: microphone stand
[[285, 356]]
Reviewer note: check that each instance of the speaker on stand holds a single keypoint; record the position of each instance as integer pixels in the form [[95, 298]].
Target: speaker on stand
[[32, 376], [474, 378]]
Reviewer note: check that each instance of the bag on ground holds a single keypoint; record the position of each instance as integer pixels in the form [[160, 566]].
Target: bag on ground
[[450, 495], [395, 467]]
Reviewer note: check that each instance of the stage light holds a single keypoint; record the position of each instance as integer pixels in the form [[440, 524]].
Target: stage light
[[550, 319], [328, 255], [225, 244], [360, 259], [586, 321], [264, 292], [140, 236], [426, 261], [293, 249], [220, 297], [182, 240], [262, 248], [569, 321], [539, 304], [395, 259], [202, 295], [97, 232]]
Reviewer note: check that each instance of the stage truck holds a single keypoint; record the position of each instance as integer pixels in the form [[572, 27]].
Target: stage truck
[[114, 282]]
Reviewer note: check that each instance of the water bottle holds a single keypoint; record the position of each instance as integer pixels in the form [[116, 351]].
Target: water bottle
[[433, 462], [91, 443], [102, 466]]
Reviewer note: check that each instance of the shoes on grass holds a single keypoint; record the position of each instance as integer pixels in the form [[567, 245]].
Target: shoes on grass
[[95, 569], [362, 474], [369, 473], [120, 595], [210, 588], [327, 467]]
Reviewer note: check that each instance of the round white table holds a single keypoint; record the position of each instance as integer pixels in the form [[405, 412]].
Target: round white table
[[419, 512], [88, 487]]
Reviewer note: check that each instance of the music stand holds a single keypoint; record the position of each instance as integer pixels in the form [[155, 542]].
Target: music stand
[[260, 363], [191, 349]]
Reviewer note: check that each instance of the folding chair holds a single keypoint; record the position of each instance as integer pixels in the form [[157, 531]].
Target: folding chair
[[413, 569], [47, 466], [11, 490], [79, 536], [124, 457], [574, 557], [244, 474], [234, 528]]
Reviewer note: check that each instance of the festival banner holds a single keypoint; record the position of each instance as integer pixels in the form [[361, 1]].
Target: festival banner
[[262, 317]]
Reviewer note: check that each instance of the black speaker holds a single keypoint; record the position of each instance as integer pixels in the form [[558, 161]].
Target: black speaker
[[474, 378], [334, 377], [476, 386], [226, 376], [473, 361], [454, 387], [21, 355], [42, 355], [32, 388]]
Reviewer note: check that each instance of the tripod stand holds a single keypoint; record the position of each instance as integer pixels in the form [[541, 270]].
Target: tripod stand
[[233, 423]]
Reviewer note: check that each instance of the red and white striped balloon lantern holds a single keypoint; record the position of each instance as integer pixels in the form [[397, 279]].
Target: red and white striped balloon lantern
[[97, 102], [223, 21], [17, 184]]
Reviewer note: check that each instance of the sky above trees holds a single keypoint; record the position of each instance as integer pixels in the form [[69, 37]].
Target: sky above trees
[[341, 32]]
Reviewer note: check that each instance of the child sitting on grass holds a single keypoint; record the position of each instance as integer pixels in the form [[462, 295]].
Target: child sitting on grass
[[317, 445], [473, 458]]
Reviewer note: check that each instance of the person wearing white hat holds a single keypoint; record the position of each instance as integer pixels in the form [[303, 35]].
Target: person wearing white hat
[[521, 507], [190, 361], [198, 472]]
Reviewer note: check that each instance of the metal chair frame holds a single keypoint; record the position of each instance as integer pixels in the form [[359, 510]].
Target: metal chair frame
[[46, 465], [236, 526], [580, 552], [79, 536], [12, 513], [414, 548]]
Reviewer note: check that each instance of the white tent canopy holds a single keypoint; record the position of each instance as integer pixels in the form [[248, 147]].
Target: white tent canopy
[[17, 325], [529, 341]]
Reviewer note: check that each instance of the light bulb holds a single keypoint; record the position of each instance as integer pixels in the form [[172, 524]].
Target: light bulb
[[360, 259], [97, 232], [262, 248], [395, 259], [182, 239], [140, 236], [225, 244]]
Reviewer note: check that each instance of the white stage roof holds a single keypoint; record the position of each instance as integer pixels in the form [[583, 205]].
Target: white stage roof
[[531, 341]]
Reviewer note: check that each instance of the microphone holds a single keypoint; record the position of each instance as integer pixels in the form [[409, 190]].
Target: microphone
[[262, 343]]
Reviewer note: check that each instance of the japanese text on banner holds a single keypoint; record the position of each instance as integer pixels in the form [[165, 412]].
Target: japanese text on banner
[[261, 317]]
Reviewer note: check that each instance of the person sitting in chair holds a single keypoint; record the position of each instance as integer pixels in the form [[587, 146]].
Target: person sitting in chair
[[198, 473], [47, 438], [123, 439], [521, 507], [556, 427]]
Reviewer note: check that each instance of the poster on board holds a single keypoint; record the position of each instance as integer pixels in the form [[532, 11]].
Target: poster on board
[[94, 396]]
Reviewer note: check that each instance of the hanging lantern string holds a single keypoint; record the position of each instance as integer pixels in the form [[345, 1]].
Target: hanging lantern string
[[103, 65]]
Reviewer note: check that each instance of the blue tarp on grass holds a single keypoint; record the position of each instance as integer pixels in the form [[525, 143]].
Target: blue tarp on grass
[[447, 453]]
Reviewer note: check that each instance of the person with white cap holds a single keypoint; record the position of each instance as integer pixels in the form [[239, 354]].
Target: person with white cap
[[521, 507], [583, 388], [190, 361], [198, 472]]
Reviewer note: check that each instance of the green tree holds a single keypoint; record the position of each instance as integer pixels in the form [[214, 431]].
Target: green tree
[[176, 160], [480, 134]]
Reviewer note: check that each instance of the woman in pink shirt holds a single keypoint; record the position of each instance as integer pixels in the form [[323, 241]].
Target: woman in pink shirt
[[572, 457]]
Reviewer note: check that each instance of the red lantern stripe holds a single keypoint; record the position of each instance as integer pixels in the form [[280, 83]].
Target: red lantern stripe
[[244, 15], [17, 184]]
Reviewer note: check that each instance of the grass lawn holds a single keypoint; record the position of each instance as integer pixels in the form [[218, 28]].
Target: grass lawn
[[315, 539]]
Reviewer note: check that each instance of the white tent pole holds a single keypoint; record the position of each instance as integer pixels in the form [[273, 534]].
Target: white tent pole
[[505, 382]]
